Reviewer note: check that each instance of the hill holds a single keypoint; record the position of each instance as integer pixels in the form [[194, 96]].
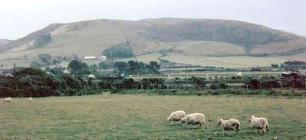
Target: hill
[[3, 43], [200, 41]]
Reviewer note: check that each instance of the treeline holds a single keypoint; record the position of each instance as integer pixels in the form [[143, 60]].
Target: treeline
[[34, 82], [135, 67], [37, 83]]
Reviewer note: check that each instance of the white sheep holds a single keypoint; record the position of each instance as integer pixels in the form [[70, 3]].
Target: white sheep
[[261, 123], [176, 116], [30, 99], [194, 118], [7, 100], [231, 124]]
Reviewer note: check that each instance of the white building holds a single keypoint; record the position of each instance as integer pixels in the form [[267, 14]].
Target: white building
[[90, 57], [101, 58]]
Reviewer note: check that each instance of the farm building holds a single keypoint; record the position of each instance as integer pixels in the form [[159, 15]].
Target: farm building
[[101, 58]]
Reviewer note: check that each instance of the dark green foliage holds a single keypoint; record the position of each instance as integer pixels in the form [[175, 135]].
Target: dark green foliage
[[122, 67], [42, 40], [274, 65], [30, 72], [72, 83], [151, 83], [123, 50], [37, 83], [57, 72], [200, 83], [45, 58], [35, 64], [135, 67], [28, 82], [78, 68], [154, 65], [218, 85], [105, 65], [93, 68], [57, 60]]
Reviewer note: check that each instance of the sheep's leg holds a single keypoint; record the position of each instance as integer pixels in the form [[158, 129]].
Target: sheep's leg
[[202, 125], [258, 130], [236, 132], [225, 133], [228, 133]]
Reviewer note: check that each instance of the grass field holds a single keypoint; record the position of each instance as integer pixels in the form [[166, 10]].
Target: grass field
[[144, 117]]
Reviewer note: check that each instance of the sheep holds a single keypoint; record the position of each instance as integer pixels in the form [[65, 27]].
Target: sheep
[[259, 123], [30, 99], [231, 124], [7, 100], [194, 118], [176, 116]]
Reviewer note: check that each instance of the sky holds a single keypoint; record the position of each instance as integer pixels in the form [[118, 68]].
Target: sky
[[21, 17]]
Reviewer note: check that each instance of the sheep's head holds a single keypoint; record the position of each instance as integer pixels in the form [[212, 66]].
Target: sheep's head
[[168, 119], [219, 122], [252, 116], [184, 119]]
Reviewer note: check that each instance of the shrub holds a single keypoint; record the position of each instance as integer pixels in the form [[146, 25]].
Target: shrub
[[78, 67], [43, 40], [122, 50]]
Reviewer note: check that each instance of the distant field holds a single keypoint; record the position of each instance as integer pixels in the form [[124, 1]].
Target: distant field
[[228, 62], [144, 117]]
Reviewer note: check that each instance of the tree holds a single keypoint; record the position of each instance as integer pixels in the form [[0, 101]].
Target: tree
[[45, 58], [154, 65], [78, 67], [122, 67], [55, 71], [93, 68], [105, 65], [122, 50], [135, 67], [35, 64], [43, 40]]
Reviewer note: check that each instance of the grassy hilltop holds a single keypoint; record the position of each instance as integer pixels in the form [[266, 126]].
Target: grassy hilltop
[[144, 117], [205, 42]]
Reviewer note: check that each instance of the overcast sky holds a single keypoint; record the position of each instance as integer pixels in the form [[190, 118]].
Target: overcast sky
[[21, 17]]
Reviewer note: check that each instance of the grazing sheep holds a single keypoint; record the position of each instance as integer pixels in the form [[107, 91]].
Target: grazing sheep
[[259, 123], [176, 116], [194, 118], [30, 100], [7, 100], [231, 124]]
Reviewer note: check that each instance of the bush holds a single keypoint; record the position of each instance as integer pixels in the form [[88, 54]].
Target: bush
[[45, 58], [123, 50], [43, 40], [78, 67], [135, 68]]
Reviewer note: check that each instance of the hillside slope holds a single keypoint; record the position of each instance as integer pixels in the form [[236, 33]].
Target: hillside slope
[[191, 38], [3, 43]]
